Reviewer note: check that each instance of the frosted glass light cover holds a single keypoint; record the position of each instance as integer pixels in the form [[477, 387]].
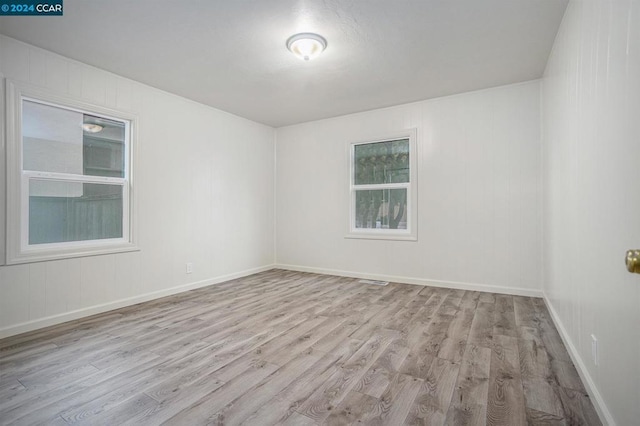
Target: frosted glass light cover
[[306, 46]]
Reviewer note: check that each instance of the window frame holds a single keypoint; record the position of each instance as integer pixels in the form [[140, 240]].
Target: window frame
[[18, 249], [409, 234]]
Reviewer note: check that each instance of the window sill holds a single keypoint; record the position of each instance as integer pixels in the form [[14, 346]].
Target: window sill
[[36, 255], [381, 236]]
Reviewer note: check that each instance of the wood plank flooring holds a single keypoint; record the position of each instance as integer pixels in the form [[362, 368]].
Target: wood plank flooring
[[292, 348]]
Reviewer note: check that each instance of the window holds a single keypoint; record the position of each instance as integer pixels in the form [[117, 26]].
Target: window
[[383, 188], [69, 178]]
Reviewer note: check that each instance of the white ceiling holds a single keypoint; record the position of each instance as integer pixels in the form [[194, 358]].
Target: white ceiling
[[231, 54]]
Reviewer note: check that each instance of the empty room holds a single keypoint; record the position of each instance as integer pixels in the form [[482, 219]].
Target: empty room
[[320, 212]]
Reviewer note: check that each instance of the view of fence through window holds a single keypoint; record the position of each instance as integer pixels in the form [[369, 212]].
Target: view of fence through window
[[381, 181]]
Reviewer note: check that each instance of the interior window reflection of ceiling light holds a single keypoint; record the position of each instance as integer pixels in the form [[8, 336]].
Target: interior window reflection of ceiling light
[[92, 128], [306, 46]]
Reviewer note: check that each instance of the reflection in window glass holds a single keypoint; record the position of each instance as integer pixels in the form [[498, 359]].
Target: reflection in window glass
[[103, 151], [59, 140]]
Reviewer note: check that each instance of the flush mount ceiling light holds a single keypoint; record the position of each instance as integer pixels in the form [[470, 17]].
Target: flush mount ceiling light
[[306, 45], [92, 128]]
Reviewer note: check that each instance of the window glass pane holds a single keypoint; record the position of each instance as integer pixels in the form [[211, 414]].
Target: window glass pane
[[63, 141], [382, 162], [72, 211], [381, 209], [51, 139]]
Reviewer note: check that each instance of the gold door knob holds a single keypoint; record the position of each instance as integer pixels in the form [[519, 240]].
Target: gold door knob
[[633, 261]]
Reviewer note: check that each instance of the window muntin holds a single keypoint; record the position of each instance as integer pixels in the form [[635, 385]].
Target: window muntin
[[383, 189], [69, 189]]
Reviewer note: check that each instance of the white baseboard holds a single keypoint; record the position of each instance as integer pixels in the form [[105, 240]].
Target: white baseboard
[[24, 327], [598, 402], [514, 291]]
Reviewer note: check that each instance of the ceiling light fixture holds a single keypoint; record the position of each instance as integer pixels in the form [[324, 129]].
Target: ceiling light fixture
[[306, 45], [92, 128]]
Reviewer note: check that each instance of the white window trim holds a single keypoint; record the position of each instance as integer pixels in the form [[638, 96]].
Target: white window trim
[[18, 250], [409, 234]]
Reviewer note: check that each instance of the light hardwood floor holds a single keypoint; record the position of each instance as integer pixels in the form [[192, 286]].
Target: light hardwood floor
[[293, 348]]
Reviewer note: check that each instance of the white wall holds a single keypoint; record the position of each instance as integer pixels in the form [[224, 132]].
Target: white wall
[[479, 201], [591, 122], [205, 193]]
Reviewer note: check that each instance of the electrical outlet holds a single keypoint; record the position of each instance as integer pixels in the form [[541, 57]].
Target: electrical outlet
[[594, 349], [189, 268]]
